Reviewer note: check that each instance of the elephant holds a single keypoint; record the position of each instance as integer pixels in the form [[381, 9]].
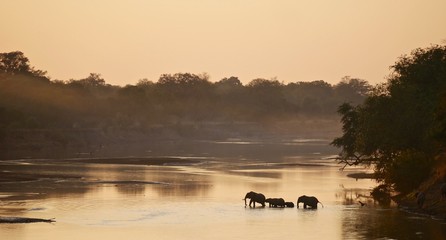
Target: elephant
[[289, 204], [308, 201], [255, 197], [275, 202]]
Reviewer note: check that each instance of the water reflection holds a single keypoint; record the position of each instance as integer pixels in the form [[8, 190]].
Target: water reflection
[[354, 196], [183, 190], [131, 189], [204, 200], [372, 223], [257, 174]]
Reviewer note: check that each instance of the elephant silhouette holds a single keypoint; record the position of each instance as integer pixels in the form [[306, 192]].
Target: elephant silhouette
[[255, 197], [308, 201], [275, 202], [289, 204]]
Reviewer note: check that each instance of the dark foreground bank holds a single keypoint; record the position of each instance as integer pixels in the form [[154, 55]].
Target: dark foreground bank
[[431, 204]]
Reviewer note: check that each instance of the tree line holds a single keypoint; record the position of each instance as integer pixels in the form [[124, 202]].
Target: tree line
[[31, 100]]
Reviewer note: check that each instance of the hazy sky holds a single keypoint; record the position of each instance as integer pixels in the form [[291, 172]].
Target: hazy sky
[[292, 40]]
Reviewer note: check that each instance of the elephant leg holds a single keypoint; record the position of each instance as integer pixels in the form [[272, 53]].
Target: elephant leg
[[315, 203]]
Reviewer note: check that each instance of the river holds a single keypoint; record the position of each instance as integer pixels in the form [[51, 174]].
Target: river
[[203, 199]]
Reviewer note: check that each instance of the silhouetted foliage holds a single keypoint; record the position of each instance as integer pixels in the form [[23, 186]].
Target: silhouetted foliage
[[14, 63], [92, 81], [17, 63], [315, 98], [353, 90], [400, 127]]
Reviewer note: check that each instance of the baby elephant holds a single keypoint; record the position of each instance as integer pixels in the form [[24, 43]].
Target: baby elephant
[[289, 204], [275, 202]]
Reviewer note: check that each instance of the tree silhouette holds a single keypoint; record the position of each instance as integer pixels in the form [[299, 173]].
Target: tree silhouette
[[398, 127], [17, 63]]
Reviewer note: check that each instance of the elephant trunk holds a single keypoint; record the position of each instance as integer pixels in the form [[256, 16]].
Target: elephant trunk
[[245, 200]]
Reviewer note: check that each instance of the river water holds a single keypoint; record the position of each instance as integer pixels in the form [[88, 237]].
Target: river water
[[203, 200]]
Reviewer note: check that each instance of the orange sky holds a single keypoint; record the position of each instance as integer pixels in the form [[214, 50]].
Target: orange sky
[[292, 40]]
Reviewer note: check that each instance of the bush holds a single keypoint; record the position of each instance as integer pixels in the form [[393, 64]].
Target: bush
[[409, 170]]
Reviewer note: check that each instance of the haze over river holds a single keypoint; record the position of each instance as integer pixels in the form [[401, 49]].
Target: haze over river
[[201, 198]]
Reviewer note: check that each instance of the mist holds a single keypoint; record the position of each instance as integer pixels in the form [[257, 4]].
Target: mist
[[65, 118]]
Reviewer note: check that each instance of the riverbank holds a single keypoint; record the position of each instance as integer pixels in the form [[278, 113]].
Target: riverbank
[[434, 204], [154, 139]]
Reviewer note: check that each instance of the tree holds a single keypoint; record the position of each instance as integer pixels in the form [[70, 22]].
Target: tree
[[14, 62], [145, 83], [184, 79], [266, 97], [185, 95], [230, 82], [17, 63], [93, 80], [352, 90], [399, 128], [312, 98]]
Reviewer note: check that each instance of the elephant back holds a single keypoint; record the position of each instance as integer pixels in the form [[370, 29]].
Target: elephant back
[[261, 197]]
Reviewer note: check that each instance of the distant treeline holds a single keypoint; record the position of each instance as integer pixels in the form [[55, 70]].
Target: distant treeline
[[30, 100]]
